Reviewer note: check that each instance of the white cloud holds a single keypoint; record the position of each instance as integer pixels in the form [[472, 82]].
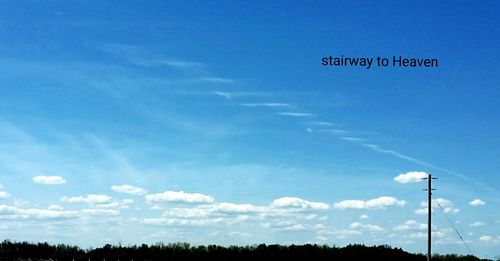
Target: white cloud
[[421, 211], [186, 213], [55, 207], [477, 202], [213, 210], [352, 203], [418, 235], [365, 227], [319, 226], [311, 216], [296, 227], [364, 216], [49, 180], [282, 214], [293, 202], [89, 199], [4, 194], [321, 238], [14, 212], [226, 207], [179, 196], [47, 213], [441, 235], [286, 226], [157, 207], [129, 189], [100, 212], [128, 201], [410, 177], [376, 203], [385, 201], [339, 234], [183, 222], [124, 204], [240, 234], [485, 238], [445, 204], [477, 224], [410, 225]]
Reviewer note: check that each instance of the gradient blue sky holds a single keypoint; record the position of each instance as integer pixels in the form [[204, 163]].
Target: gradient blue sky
[[214, 122]]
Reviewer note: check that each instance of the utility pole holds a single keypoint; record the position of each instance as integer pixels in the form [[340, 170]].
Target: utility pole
[[429, 215]]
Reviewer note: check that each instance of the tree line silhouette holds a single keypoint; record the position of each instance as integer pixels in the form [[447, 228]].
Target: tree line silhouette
[[184, 251]]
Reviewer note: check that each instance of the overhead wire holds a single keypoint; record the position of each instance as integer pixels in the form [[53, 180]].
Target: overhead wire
[[455, 228]]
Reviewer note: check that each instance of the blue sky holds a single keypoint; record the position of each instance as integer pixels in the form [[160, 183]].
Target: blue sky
[[214, 122]]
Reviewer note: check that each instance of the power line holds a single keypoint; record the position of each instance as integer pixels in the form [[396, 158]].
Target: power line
[[456, 230]]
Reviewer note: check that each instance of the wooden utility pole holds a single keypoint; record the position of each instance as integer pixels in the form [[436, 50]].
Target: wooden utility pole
[[429, 215]]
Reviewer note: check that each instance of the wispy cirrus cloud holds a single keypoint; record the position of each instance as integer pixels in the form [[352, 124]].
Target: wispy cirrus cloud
[[394, 153], [295, 114], [353, 139], [174, 63], [227, 95], [216, 80], [321, 123], [232, 95], [178, 63], [268, 104], [377, 148], [140, 56], [334, 131]]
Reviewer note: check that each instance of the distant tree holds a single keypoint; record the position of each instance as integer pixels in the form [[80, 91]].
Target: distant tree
[[183, 251]]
